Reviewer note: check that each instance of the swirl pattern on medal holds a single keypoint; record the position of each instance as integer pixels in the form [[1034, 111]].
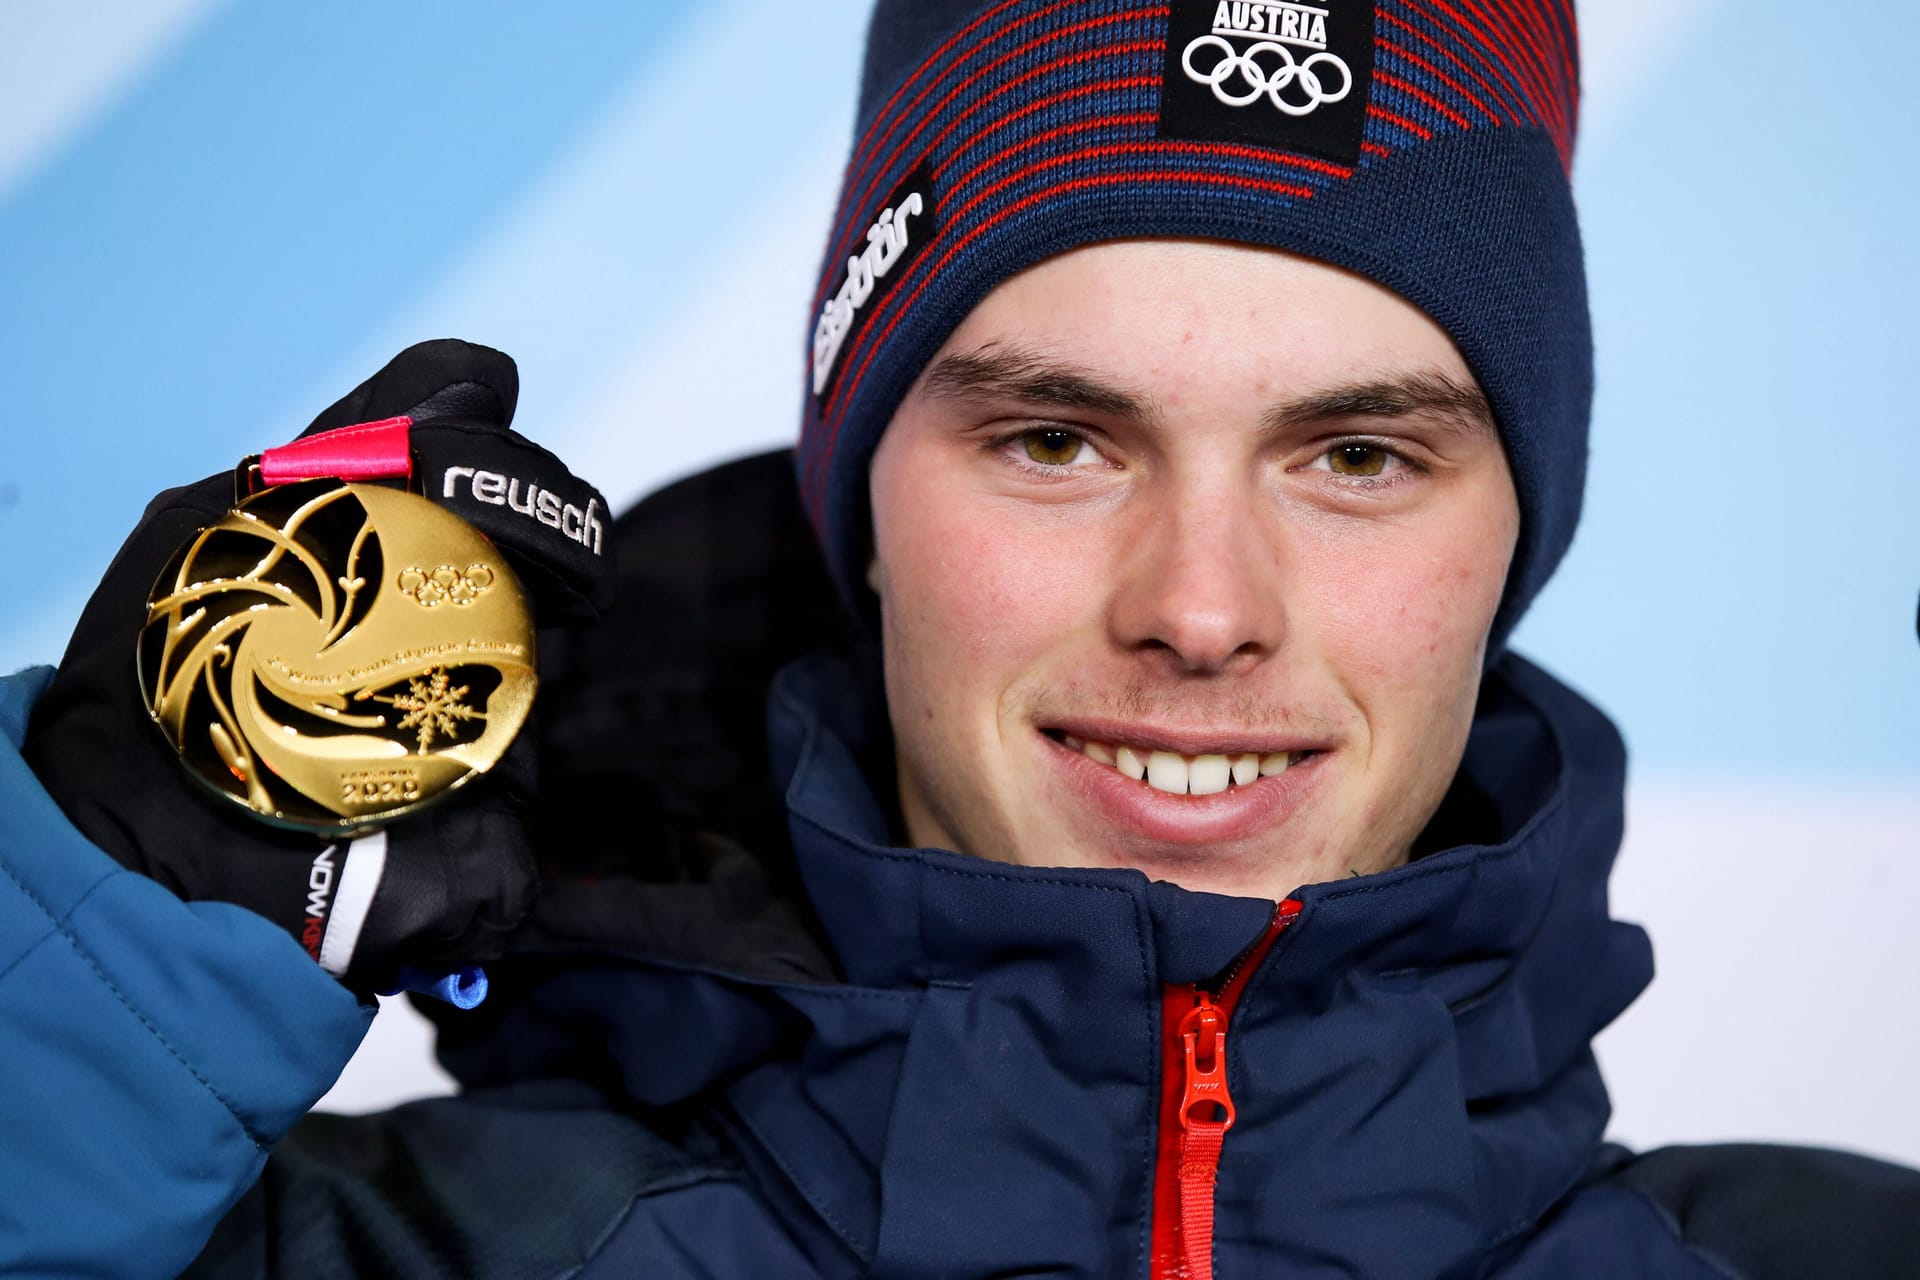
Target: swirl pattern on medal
[[304, 665]]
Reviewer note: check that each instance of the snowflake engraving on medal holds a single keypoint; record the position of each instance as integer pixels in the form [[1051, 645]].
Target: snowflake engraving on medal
[[432, 707], [305, 665]]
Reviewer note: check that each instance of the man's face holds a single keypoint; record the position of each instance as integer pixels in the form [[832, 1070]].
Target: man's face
[[1223, 515]]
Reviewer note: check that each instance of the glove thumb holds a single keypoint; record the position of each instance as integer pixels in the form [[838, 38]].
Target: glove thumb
[[442, 378]]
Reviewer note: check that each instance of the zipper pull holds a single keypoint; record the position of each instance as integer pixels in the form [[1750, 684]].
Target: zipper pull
[[1188, 1164], [1205, 1100]]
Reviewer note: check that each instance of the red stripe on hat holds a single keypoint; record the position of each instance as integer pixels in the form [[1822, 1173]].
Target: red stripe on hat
[[1565, 39], [1519, 84], [1498, 47], [1239, 152], [1142, 146], [1085, 125], [1146, 118], [1533, 29], [860, 164], [1570, 46], [1413, 127], [1034, 73], [874, 138], [1014, 117], [854, 204], [1505, 115], [1491, 116], [1554, 38], [1415, 91], [1501, 40]]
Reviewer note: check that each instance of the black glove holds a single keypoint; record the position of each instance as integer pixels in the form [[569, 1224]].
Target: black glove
[[434, 891]]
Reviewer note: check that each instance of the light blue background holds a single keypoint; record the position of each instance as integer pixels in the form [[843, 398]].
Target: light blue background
[[281, 195]]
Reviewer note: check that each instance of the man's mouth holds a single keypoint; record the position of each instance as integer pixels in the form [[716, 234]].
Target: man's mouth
[[1181, 775]]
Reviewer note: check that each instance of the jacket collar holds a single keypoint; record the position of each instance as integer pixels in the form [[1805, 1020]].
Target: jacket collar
[[906, 917], [1412, 1059]]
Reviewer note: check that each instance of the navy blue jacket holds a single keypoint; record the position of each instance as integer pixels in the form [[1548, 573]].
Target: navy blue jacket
[[826, 1055]]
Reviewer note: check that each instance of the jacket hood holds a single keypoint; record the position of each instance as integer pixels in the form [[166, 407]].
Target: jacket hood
[[1411, 1062]]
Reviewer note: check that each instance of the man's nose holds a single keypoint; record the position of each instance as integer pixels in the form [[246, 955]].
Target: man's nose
[[1202, 581]]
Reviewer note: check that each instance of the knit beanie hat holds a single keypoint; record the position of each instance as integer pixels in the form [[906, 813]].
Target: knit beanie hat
[[1424, 144]]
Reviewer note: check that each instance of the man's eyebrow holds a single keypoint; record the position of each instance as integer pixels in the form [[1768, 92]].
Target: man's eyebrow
[[1018, 373], [1451, 400]]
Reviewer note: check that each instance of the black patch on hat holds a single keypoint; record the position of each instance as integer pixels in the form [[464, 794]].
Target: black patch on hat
[[897, 232], [1291, 74]]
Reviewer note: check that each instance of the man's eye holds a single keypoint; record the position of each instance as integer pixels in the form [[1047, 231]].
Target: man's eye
[[1359, 459], [1056, 448]]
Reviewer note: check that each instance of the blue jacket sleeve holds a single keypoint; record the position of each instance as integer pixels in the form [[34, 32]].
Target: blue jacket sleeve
[[151, 1050]]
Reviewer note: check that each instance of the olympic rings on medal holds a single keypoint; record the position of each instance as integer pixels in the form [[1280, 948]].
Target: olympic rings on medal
[[1259, 81]]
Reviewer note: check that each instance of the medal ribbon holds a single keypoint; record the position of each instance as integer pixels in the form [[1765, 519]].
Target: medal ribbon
[[365, 451], [517, 493]]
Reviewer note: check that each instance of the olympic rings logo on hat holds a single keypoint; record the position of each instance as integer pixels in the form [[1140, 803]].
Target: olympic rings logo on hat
[[1260, 81]]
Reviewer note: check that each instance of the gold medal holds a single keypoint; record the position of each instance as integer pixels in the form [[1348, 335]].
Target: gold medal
[[331, 656]]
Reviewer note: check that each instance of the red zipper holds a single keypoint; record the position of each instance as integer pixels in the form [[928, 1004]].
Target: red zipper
[[1196, 1110]]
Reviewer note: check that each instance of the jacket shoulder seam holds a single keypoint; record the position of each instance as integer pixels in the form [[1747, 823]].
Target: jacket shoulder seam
[[666, 1186], [56, 926], [59, 924], [1666, 1219], [803, 1186]]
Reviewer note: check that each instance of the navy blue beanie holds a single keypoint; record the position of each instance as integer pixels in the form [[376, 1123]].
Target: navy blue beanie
[[1424, 144]]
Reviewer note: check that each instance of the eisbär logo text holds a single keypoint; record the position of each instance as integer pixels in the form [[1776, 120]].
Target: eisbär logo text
[[897, 234]]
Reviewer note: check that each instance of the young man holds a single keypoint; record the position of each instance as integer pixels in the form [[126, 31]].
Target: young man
[[1166, 871]]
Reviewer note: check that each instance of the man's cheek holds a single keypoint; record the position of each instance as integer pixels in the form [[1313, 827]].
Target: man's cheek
[[1410, 624], [992, 591]]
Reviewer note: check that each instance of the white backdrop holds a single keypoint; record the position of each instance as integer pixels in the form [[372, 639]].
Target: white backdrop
[[215, 216]]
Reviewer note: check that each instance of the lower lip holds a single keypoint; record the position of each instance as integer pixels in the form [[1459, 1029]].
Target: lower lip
[[1146, 813]]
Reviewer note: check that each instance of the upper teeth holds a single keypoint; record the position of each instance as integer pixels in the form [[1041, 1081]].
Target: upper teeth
[[1183, 775]]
